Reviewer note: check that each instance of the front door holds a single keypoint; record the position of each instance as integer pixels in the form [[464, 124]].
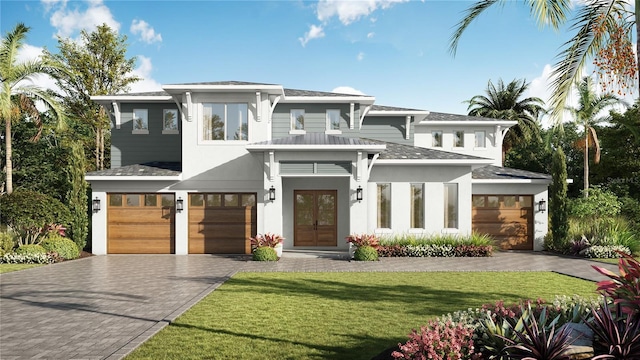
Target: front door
[[315, 220]]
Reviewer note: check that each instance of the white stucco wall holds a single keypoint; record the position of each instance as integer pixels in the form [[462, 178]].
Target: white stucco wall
[[492, 149]]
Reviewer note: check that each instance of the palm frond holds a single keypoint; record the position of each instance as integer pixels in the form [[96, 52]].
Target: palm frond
[[471, 14], [550, 12]]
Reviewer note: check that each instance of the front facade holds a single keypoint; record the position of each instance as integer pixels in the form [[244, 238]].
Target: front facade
[[200, 168]]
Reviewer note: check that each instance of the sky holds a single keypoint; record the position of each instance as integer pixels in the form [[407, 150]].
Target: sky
[[394, 50]]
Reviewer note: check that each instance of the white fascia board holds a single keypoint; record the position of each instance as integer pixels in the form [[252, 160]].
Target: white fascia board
[[132, 178], [397, 113], [131, 98], [463, 122], [316, 147], [271, 89], [433, 162], [511, 181], [329, 99]]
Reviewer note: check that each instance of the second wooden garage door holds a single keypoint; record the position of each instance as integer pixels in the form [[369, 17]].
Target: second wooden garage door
[[221, 223], [506, 218]]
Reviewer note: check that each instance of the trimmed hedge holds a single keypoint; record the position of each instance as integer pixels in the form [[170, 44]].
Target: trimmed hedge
[[30, 249], [66, 248], [265, 253], [433, 250]]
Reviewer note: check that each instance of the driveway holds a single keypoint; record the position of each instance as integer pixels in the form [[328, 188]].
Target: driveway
[[103, 307]]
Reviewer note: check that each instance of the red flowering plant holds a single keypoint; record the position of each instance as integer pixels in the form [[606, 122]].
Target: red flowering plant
[[265, 240], [55, 229], [439, 341], [624, 289], [360, 240]]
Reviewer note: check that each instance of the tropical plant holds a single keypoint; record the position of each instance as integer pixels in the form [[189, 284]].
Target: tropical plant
[[604, 33], [360, 240], [585, 114], [19, 94], [623, 288], [366, 253], [558, 198], [266, 240], [617, 336], [506, 102], [265, 253], [536, 341]]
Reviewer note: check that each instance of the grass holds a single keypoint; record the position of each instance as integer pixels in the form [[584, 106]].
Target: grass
[[5, 268], [335, 315]]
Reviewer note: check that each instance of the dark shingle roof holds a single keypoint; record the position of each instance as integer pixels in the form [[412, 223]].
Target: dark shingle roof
[[407, 152], [495, 172], [391, 108], [436, 116], [146, 169], [296, 92], [317, 139], [223, 83]]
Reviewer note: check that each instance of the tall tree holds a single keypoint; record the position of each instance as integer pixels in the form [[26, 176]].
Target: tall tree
[[558, 198], [506, 102], [604, 34], [96, 65], [18, 95], [586, 114]]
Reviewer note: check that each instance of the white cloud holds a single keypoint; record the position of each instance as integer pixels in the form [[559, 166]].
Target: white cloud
[[145, 31], [69, 22], [315, 32], [360, 56], [350, 11], [347, 90], [371, 35], [143, 71]]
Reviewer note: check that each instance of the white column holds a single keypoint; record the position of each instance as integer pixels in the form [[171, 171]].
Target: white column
[[182, 225], [99, 225]]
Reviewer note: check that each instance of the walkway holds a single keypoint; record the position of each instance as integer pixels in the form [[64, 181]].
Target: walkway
[[105, 306]]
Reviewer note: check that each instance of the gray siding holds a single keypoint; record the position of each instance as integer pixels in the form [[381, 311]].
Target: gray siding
[[390, 129], [315, 118], [129, 149]]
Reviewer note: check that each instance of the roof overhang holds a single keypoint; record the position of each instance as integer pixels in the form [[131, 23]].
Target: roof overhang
[[366, 100], [512, 181], [397, 113], [132, 178], [268, 147], [108, 99], [463, 122], [442, 162]]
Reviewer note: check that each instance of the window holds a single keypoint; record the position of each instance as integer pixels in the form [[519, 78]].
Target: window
[[140, 121], [225, 122], [333, 120], [436, 138], [480, 139], [417, 206], [451, 206], [384, 206], [297, 119], [458, 139], [170, 121]]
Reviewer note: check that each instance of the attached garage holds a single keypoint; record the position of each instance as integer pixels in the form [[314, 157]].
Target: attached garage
[[140, 224], [221, 223], [506, 218]]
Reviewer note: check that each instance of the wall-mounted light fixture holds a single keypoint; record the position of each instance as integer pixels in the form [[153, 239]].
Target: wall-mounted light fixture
[[272, 193], [179, 205], [95, 204], [359, 193], [542, 206]]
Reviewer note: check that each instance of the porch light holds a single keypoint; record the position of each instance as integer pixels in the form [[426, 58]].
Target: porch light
[[542, 206], [272, 193], [179, 205], [359, 193], [95, 204]]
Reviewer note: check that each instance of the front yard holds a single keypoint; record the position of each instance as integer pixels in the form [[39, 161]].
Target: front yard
[[336, 315]]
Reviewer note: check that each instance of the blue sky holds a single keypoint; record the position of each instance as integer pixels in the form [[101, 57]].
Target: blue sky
[[394, 50]]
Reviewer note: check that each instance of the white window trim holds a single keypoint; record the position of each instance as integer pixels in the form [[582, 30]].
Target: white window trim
[[292, 121], [133, 123], [475, 138], [454, 139], [424, 220], [433, 139], [328, 128], [171, 131], [202, 140]]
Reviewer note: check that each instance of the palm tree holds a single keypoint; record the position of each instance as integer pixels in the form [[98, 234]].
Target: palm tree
[[604, 32], [17, 96], [585, 114], [505, 102]]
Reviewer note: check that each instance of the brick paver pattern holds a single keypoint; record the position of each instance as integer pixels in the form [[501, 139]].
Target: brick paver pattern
[[103, 307]]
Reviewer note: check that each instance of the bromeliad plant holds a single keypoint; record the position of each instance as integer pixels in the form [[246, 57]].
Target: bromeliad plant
[[265, 240], [360, 240], [617, 335], [624, 289]]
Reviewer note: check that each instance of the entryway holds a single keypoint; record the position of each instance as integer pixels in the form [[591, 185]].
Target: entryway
[[315, 218]]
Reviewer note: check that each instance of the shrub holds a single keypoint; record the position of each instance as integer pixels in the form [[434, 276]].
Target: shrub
[[265, 253], [28, 213], [599, 206], [360, 240], [31, 249], [36, 258], [7, 243], [473, 250], [431, 250], [605, 252], [66, 248], [535, 341], [366, 253], [438, 341], [624, 288]]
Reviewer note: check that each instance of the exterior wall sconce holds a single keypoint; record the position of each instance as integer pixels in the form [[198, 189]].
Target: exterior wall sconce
[[542, 206], [179, 205], [95, 205], [272, 193], [359, 193]]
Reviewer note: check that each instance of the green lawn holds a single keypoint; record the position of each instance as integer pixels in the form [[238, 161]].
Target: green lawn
[[335, 315], [4, 268]]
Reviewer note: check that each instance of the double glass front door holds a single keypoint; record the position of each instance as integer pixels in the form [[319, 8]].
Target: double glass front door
[[315, 218]]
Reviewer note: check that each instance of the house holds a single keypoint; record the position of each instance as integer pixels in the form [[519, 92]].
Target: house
[[200, 167]]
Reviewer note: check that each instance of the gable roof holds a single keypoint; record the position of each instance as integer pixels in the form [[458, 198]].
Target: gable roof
[[492, 172]]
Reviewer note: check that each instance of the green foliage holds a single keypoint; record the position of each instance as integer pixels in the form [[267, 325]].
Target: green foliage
[[30, 249], [265, 253], [77, 197], [366, 253], [27, 213], [439, 239], [558, 199], [623, 288], [606, 251], [7, 242], [66, 248], [599, 206]]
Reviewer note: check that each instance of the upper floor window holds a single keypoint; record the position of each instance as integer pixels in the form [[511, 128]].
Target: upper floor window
[[480, 139], [170, 121], [333, 120], [384, 206], [140, 121], [225, 121], [436, 138], [297, 119], [417, 206], [451, 206], [458, 139]]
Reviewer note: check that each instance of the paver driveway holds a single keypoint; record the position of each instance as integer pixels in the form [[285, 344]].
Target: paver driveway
[[104, 306]]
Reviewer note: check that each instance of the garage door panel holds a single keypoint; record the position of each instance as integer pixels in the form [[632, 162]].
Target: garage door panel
[[135, 231], [140, 246], [502, 229], [223, 215], [141, 216], [508, 219]]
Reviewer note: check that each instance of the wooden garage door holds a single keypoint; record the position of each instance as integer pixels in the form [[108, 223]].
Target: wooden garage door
[[221, 223], [506, 218], [140, 224]]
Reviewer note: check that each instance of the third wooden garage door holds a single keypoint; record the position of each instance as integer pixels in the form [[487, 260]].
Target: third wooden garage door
[[506, 218], [221, 223]]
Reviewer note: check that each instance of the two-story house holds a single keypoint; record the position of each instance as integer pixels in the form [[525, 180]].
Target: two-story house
[[199, 168]]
